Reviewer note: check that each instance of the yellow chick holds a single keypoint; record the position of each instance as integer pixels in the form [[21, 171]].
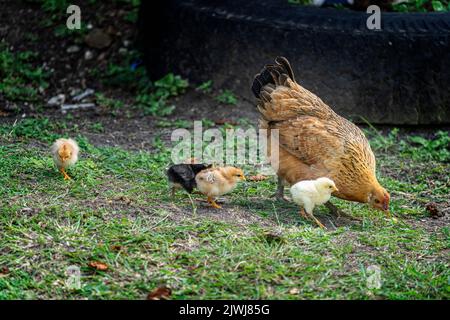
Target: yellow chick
[[310, 193], [65, 154], [217, 181]]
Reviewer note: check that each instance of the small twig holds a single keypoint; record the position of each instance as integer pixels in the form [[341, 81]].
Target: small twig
[[194, 207], [276, 214], [156, 224], [13, 127]]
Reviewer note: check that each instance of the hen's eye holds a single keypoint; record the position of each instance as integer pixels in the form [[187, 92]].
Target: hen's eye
[[377, 201]]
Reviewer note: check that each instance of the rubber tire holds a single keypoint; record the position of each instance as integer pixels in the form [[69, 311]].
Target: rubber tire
[[397, 75]]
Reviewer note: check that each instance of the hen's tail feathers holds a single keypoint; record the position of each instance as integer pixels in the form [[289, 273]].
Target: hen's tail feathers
[[275, 74]]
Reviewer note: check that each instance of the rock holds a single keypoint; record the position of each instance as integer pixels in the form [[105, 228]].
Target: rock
[[74, 92], [73, 49], [123, 51], [88, 55], [56, 101], [98, 39]]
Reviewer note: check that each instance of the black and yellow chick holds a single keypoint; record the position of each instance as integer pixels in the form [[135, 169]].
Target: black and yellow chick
[[183, 176]]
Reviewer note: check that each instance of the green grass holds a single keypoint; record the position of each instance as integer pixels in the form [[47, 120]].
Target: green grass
[[120, 198], [422, 6], [227, 97], [21, 81], [408, 6]]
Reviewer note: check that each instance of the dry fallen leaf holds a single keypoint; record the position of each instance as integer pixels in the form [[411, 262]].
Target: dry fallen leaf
[[4, 271], [124, 199], [258, 177], [116, 247], [160, 293], [100, 266], [433, 209]]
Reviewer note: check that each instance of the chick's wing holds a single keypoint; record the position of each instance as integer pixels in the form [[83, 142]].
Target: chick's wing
[[184, 172]]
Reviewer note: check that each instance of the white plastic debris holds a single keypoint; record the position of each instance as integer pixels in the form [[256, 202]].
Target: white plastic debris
[[56, 101], [86, 93], [67, 107]]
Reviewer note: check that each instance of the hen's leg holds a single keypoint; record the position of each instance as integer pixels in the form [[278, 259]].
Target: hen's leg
[[339, 213], [66, 176], [279, 195], [213, 203]]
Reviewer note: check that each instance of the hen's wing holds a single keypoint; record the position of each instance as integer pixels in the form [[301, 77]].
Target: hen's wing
[[308, 128], [313, 141]]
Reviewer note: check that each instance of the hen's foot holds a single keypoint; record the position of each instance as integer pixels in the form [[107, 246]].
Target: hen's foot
[[279, 197], [339, 213]]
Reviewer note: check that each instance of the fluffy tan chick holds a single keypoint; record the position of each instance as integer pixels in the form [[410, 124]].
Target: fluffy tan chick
[[65, 154], [218, 181]]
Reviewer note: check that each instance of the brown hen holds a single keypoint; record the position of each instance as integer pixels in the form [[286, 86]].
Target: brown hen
[[314, 141]]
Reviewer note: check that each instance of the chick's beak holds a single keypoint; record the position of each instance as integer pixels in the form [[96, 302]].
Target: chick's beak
[[336, 189], [243, 178]]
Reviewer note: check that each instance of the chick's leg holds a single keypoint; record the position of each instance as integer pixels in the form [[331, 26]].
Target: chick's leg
[[317, 221], [66, 176], [213, 203], [309, 207], [303, 214]]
